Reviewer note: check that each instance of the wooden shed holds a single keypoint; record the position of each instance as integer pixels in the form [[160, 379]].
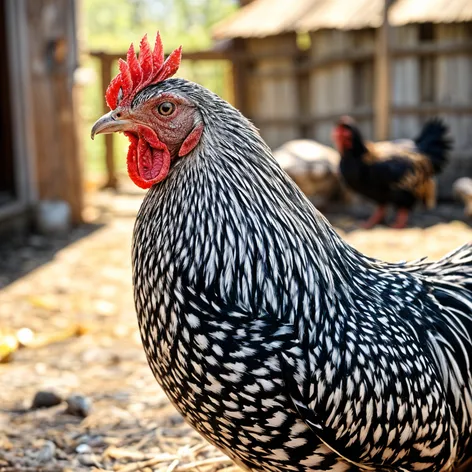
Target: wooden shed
[[39, 145], [389, 64], [268, 66]]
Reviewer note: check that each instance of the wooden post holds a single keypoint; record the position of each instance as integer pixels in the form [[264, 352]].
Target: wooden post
[[240, 71], [52, 47], [382, 82], [112, 181], [302, 79]]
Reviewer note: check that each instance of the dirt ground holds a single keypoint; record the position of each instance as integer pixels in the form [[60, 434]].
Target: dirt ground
[[74, 297]]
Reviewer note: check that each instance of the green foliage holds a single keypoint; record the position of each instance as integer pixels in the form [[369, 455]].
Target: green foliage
[[112, 25]]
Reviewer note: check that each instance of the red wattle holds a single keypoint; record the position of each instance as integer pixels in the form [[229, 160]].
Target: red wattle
[[148, 158]]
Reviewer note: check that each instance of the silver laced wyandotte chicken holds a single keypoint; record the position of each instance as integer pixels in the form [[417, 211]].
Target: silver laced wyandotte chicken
[[399, 173], [277, 341]]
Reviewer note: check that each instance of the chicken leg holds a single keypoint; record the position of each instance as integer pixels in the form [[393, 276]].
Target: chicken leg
[[401, 218], [377, 217]]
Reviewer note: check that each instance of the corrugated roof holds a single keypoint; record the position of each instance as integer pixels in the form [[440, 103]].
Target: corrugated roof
[[436, 11], [269, 17], [263, 18]]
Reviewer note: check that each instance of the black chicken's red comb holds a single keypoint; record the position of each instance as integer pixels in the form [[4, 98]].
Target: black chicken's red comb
[[136, 74]]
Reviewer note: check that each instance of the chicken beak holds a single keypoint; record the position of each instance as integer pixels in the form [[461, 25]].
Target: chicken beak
[[109, 123]]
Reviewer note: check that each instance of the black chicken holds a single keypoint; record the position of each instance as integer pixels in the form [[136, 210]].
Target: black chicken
[[282, 345], [393, 172]]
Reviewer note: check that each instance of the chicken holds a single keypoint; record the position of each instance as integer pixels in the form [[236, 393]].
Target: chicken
[[393, 172], [277, 341], [314, 168]]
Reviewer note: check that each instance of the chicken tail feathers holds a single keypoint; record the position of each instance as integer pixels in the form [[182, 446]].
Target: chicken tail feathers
[[434, 142]]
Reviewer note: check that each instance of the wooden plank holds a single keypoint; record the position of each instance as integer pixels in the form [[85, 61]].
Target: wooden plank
[[358, 115], [238, 73], [7, 163], [432, 109], [71, 122], [303, 98], [106, 64], [211, 55], [411, 83], [364, 39], [464, 84], [284, 44], [382, 83], [22, 97], [71, 174], [310, 120], [433, 49], [52, 50], [335, 59], [273, 85], [343, 88], [321, 84]]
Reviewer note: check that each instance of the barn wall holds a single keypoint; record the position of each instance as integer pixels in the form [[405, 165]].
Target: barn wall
[[454, 81], [453, 88], [341, 80], [291, 94], [434, 84], [425, 81], [405, 83], [8, 190], [17, 135], [52, 48], [273, 92]]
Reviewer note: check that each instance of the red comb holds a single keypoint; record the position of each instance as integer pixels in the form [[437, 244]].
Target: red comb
[[136, 74]]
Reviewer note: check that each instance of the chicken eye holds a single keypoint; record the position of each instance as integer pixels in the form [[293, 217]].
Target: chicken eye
[[166, 108]]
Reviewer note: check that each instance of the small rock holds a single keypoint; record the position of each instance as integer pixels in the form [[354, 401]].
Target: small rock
[[47, 452], [88, 460], [175, 420], [83, 449], [97, 441], [78, 405], [82, 438], [45, 399]]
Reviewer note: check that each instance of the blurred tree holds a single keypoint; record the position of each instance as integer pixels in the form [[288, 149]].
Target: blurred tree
[[113, 24], [138, 11]]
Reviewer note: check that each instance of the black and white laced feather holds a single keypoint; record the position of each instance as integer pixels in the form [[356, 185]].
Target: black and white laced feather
[[282, 345]]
